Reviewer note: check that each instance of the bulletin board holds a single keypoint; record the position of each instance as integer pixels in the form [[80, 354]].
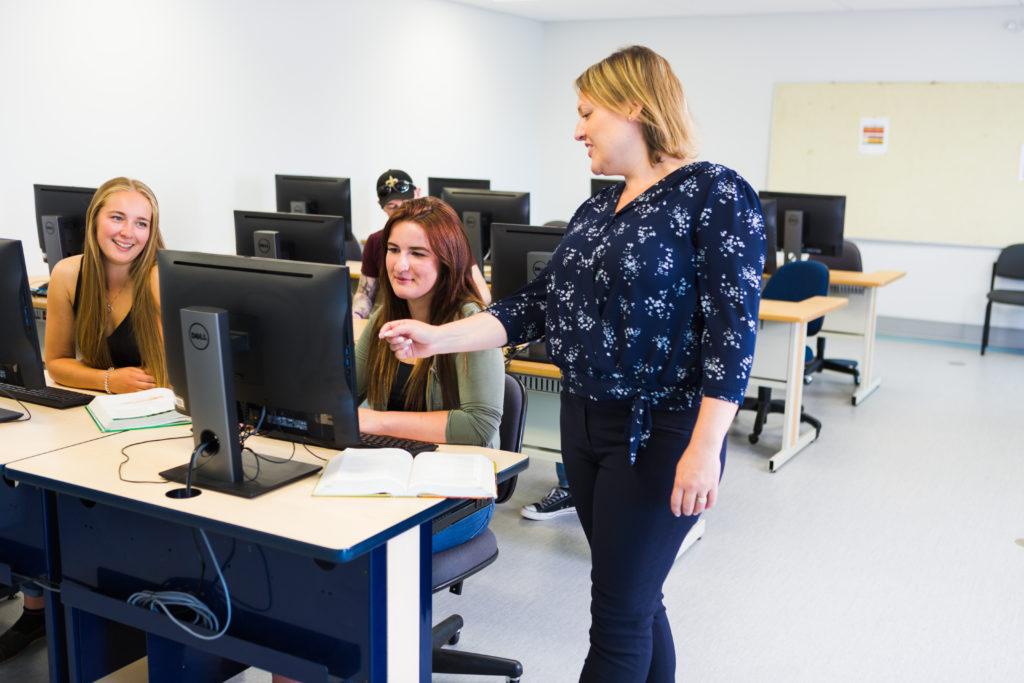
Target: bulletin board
[[923, 162]]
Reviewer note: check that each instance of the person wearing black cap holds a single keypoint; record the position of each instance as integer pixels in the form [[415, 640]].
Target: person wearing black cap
[[394, 187]]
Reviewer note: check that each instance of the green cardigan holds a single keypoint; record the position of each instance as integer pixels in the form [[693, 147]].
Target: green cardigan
[[481, 390]]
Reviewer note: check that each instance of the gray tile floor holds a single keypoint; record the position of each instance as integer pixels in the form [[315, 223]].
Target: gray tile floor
[[885, 551]]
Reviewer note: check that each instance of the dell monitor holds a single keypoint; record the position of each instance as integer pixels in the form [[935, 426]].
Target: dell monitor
[[436, 185], [21, 361], [261, 343], [598, 184], [519, 254], [291, 236], [808, 223], [478, 209], [320, 195], [60, 220]]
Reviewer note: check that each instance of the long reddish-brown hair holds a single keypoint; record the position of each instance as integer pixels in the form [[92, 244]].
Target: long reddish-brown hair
[[452, 290]]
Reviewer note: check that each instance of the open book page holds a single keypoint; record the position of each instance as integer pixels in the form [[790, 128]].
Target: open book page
[[454, 475], [138, 410], [366, 472]]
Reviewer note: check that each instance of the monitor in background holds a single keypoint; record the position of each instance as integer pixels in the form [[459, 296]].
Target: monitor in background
[[520, 253], [770, 211], [262, 343], [598, 184], [436, 185], [60, 220], [808, 223], [291, 236], [478, 209], [21, 361], [319, 195]]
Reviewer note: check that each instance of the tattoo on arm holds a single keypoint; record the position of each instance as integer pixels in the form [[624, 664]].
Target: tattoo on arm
[[366, 292]]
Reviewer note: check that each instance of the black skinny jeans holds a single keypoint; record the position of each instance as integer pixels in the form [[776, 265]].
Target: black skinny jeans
[[633, 535]]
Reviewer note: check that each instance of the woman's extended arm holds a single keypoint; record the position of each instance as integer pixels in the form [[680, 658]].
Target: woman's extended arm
[[413, 339]]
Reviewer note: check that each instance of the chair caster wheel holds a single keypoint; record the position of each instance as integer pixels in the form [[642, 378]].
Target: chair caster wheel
[[753, 438], [455, 638]]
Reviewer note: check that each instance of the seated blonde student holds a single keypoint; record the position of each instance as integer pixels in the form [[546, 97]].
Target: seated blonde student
[[453, 398], [103, 327]]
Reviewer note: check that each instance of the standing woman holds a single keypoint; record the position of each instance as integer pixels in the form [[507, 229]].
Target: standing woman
[[649, 306], [103, 327]]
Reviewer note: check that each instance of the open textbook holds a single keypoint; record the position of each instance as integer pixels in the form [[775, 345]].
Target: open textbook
[[395, 472], [138, 410]]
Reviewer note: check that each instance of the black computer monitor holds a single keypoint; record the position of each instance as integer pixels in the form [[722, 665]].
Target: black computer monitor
[[598, 184], [808, 223], [478, 209], [435, 185], [291, 236], [60, 220], [518, 254], [21, 360], [770, 211], [259, 342]]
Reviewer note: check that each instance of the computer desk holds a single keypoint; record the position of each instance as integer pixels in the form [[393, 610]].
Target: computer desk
[[28, 531], [857, 320], [319, 586]]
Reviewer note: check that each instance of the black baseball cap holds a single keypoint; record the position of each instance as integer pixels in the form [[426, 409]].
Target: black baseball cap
[[394, 184]]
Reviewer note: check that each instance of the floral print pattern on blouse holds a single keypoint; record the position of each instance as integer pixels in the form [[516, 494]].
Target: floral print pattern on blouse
[[655, 304]]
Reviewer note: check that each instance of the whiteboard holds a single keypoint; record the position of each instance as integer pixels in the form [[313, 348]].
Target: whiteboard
[[951, 168]]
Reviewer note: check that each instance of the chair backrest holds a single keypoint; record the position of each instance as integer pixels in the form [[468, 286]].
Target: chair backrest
[[1010, 263], [849, 259], [510, 431], [796, 281]]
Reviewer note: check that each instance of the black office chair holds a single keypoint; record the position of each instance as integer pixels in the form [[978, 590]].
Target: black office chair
[[793, 281], [1010, 265], [849, 259], [353, 251], [452, 566]]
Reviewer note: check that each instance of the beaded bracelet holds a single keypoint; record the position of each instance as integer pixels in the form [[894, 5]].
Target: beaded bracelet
[[106, 380]]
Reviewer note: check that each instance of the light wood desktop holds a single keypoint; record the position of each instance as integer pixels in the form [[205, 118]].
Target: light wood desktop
[[288, 521]]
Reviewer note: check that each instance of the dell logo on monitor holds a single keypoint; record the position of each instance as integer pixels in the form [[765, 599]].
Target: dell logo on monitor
[[198, 336], [263, 245]]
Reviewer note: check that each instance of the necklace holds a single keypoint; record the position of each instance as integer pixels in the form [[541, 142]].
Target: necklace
[[111, 300]]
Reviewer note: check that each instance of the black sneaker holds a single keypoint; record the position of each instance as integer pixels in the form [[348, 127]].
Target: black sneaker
[[557, 502], [29, 628]]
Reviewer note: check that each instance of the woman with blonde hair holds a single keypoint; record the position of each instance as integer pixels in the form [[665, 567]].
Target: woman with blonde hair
[[103, 327], [649, 307]]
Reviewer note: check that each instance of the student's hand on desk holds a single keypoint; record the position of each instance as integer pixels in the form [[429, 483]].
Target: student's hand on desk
[[127, 380], [697, 475], [410, 338]]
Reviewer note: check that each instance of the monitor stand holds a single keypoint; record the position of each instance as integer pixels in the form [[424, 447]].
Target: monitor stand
[[793, 235], [211, 398]]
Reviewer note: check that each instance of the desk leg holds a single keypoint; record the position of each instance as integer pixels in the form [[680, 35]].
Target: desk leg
[[409, 605], [56, 641], [792, 441], [868, 381]]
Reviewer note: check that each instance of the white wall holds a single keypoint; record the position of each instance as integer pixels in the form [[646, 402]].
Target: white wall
[[206, 101], [729, 67]]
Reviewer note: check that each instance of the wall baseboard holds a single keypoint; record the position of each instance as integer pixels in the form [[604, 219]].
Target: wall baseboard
[[956, 333]]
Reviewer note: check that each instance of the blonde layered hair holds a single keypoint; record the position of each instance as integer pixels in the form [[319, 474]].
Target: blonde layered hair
[[637, 75], [91, 317]]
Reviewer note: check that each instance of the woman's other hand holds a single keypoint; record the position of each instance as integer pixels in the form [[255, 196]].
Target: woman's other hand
[[129, 379], [410, 339]]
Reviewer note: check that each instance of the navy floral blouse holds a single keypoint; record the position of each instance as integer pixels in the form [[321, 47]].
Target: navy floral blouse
[[655, 304]]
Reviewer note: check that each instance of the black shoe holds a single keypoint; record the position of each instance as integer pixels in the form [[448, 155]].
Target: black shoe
[[30, 627], [557, 502]]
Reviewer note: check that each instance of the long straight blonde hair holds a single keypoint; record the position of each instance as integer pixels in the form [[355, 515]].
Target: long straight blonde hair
[[91, 318], [639, 75]]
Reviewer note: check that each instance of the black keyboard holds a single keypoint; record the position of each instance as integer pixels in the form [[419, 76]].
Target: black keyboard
[[51, 397], [384, 441]]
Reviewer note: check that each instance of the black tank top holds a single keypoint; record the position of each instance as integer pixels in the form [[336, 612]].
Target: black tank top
[[124, 350], [396, 400]]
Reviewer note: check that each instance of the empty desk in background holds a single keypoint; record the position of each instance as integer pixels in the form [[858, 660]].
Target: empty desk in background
[[858, 319], [319, 586], [779, 362]]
